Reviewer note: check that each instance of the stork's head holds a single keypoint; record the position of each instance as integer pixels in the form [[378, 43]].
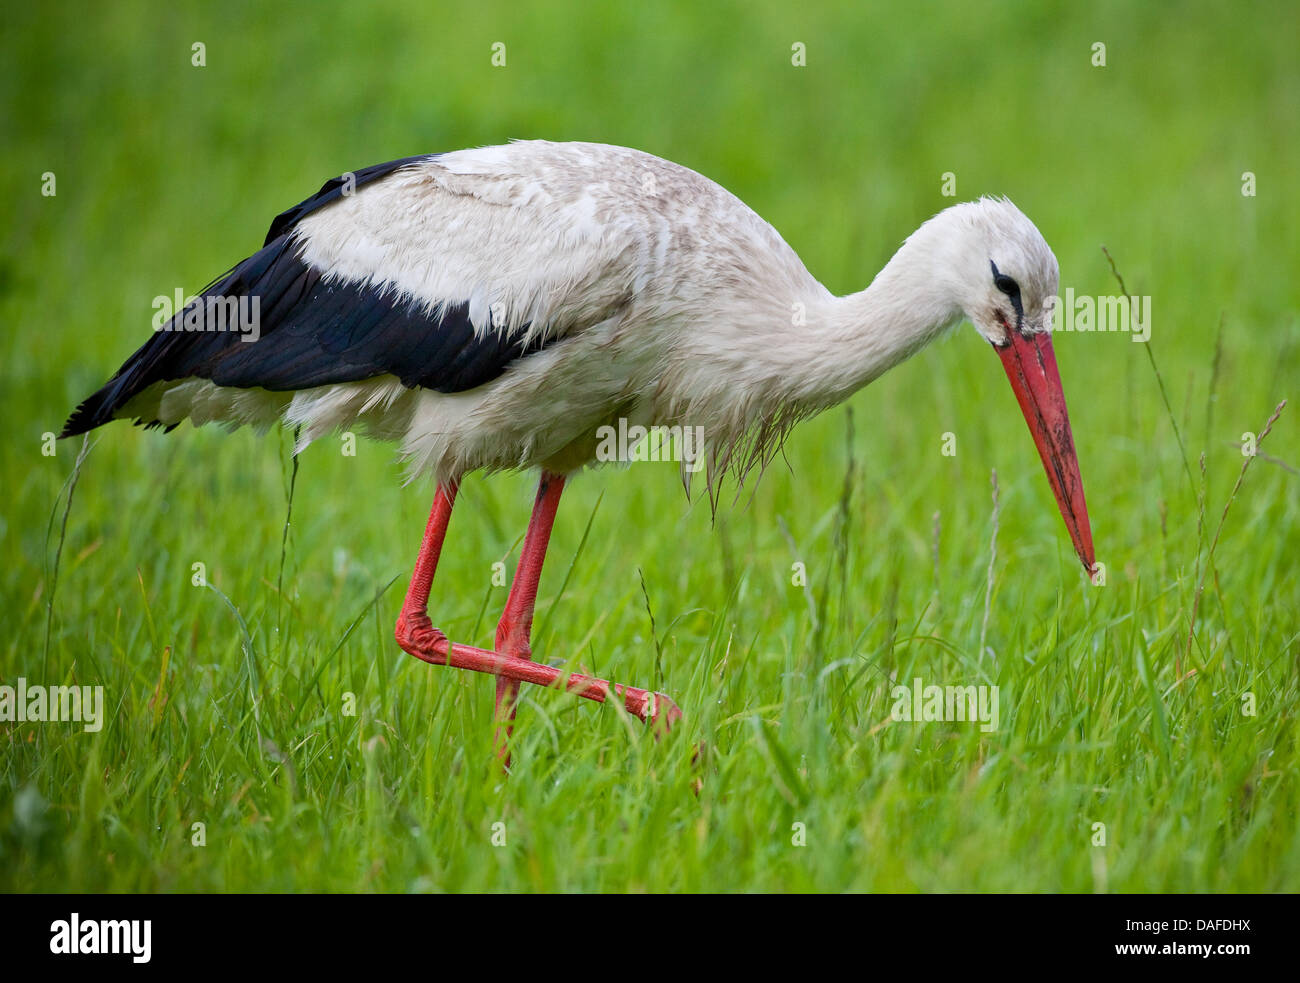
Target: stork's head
[[1002, 274]]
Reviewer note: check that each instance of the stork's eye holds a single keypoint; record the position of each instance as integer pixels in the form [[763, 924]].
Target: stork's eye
[[1003, 282], [1009, 287]]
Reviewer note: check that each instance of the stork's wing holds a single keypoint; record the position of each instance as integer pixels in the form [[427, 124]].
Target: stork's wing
[[438, 275]]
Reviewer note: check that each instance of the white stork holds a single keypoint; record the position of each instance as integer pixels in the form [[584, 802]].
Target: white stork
[[493, 309]]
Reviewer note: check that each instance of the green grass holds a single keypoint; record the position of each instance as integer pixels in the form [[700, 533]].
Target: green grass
[[167, 173]]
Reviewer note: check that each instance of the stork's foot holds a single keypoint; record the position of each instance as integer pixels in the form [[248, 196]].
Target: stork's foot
[[417, 636], [511, 663]]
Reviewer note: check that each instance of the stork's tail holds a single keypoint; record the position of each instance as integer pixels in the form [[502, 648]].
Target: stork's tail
[[172, 352]]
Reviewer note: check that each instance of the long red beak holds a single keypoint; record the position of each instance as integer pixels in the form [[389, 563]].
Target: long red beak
[[1031, 367]]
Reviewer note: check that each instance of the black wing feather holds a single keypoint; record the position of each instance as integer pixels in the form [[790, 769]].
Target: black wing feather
[[312, 331]]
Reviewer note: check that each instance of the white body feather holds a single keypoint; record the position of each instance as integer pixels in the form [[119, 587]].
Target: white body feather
[[678, 305]]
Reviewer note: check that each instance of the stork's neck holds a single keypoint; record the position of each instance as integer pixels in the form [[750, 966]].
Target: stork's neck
[[849, 341]]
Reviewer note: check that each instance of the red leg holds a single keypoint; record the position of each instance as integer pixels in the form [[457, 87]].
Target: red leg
[[515, 627], [513, 665], [413, 624]]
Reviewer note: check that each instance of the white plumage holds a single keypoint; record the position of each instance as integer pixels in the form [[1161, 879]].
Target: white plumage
[[672, 303], [498, 308]]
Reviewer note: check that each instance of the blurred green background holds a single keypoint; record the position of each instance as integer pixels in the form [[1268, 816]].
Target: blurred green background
[[167, 173]]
